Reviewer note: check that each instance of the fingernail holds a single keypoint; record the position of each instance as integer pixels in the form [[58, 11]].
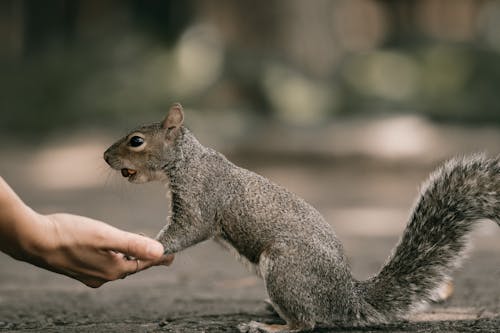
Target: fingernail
[[155, 250]]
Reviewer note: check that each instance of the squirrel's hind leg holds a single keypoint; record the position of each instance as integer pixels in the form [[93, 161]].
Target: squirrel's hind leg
[[289, 294]]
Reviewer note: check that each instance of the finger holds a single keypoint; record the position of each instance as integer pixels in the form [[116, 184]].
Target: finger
[[165, 260], [168, 259], [100, 265], [115, 266], [132, 244], [137, 265]]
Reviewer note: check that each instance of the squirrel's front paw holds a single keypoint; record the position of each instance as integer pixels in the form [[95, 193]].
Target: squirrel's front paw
[[444, 292], [256, 327]]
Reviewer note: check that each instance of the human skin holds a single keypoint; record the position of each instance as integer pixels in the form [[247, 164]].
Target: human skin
[[82, 248]]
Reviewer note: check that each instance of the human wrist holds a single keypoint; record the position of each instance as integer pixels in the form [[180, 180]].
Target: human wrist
[[18, 224], [33, 232]]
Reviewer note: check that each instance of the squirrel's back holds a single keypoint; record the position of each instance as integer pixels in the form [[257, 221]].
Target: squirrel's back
[[258, 212]]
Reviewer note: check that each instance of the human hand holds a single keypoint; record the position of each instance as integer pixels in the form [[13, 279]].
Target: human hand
[[89, 250]]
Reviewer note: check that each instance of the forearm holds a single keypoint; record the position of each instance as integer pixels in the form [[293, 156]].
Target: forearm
[[179, 236], [88, 250], [18, 224]]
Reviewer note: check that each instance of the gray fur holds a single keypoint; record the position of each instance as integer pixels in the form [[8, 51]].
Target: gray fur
[[294, 249], [461, 192]]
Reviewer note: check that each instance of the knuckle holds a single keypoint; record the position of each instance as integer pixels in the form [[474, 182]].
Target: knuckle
[[135, 245], [130, 245]]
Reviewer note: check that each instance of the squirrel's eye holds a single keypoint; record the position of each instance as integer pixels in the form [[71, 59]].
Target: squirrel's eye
[[136, 141]]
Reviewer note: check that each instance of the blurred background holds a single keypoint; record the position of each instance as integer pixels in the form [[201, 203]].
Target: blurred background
[[349, 103], [69, 64]]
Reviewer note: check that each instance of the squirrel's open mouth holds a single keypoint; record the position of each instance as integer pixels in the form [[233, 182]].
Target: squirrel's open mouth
[[128, 172]]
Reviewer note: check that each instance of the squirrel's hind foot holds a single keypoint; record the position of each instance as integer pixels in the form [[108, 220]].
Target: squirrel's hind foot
[[257, 327]]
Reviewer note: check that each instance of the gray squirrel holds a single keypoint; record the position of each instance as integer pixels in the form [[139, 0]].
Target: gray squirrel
[[292, 247]]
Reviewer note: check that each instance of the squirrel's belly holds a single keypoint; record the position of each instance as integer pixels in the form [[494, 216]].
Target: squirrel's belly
[[229, 247]]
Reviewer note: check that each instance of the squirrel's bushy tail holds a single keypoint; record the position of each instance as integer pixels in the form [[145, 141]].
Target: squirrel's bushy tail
[[457, 195]]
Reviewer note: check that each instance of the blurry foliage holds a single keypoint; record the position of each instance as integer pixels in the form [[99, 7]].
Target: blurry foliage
[[68, 63]]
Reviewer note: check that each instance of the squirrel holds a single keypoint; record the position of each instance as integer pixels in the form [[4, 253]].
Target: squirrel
[[292, 247]]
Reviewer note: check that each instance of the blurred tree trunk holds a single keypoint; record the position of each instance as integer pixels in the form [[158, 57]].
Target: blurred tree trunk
[[48, 22], [11, 28], [401, 22]]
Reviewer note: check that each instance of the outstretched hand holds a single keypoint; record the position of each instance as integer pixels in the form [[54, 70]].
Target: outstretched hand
[[94, 252], [87, 250]]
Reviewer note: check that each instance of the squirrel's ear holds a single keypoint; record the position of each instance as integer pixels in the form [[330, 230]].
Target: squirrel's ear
[[174, 118]]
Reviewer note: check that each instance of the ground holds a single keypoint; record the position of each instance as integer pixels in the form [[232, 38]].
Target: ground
[[365, 199]]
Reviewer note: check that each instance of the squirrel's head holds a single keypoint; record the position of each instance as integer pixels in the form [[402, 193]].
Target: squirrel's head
[[141, 154]]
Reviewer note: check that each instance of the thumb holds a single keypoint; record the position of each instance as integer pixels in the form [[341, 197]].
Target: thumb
[[134, 245]]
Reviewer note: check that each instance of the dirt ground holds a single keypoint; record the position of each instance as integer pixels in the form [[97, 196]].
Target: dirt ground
[[365, 199]]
